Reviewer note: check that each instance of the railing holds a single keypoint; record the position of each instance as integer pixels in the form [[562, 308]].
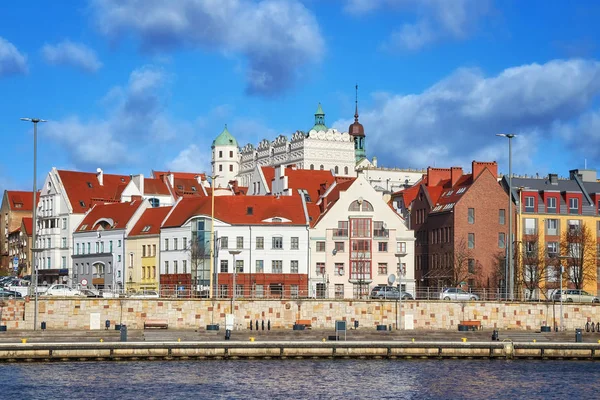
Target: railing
[[378, 233]]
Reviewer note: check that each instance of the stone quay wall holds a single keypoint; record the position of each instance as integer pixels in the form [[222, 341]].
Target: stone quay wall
[[84, 314]]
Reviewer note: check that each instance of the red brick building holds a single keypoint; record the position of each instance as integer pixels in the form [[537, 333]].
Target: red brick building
[[461, 223]]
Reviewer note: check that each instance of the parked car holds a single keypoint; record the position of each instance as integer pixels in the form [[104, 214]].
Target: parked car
[[62, 290], [89, 293], [9, 294], [146, 294], [389, 292], [457, 294], [575, 295]]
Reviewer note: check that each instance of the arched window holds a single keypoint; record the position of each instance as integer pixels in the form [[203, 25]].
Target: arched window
[[345, 170], [154, 202], [360, 205], [321, 167], [312, 166], [336, 170]]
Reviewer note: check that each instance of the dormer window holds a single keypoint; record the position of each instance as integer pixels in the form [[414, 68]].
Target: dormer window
[[250, 211], [461, 190], [180, 187], [276, 220], [122, 179], [573, 205], [193, 188], [146, 228], [551, 205], [529, 204]]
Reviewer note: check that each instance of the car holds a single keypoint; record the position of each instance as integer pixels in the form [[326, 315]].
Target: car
[[389, 292], [89, 293], [575, 295], [457, 294], [9, 294], [146, 294], [62, 290]]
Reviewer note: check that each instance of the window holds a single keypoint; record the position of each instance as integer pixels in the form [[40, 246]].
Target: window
[[175, 267], [64, 262], [239, 266], [277, 266], [220, 168], [471, 217], [64, 223], [110, 246], [320, 246], [530, 249], [259, 291], [230, 168], [89, 248], [573, 205], [553, 273], [471, 265], [401, 247], [224, 266], [166, 244], [339, 269], [220, 154], [224, 242], [239, 242], [320, 269], [119, 258], [339, 288], [166, 267], [552, 227], [382, 268], [379, 229], [119, 243], [260, 242], [154, 202], [382, 246], [175, 244], [471, 240], [345, 170], [260, 266], [77, 248], [552, 248], [530, 226], [295, 243], [312, 166], [360, 205], [342, 230], [294, 267], [64, 243], [101, 247], [321, 167], [339, 247], [144, 250], [501, 240], [277, 242], [551, 205], [529, 204], [294, 291], [184, 262], [153, 250], [230, 154], [97, 248], [184, 243], [501, 216]]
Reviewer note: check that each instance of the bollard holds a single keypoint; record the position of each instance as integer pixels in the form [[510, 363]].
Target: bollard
[[598, 327], [123, 333], [263, 324], [578, 335], [43, 325], [101, 340], [250, 324], [355, 324], [179, 339], [256, 324], [23, 341], [464, 339], [107, 324], [251, 339], [413, 340], [269, 325], [587, 326], [227, 334], [495, 335]]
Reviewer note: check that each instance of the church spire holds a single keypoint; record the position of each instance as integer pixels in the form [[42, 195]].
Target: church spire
[[356, 103]]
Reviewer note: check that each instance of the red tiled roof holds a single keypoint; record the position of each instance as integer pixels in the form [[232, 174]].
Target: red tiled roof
[[151, 218], [28, 224], [155, 186], [269, 174], [187, 187], [24, 199], [83, 187], [119, 213], [235, 209], [342, 184], [309, 180], [184, 175]]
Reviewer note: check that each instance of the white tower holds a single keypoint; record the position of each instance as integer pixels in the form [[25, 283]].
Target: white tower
[[225, 158]]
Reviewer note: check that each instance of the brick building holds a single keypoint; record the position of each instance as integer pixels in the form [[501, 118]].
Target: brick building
[[15, 206], [460, 222]]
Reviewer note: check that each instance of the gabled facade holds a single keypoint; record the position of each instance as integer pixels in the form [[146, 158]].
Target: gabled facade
[[270, 234], [156, 190], [16, 205], [99, 257], [19, 247], [357, 241]]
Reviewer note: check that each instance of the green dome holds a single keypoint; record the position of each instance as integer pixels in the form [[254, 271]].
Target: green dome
[[319, 120], [225, 139]]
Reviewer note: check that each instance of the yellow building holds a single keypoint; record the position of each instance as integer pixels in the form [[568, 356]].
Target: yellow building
[[551, 214], [142, 248]]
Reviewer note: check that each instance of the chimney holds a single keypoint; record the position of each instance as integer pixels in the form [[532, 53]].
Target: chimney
[[138, 181], [455, 174], [435, 175], [478, 166], [171, 179], [585, 175], [553, 178], [100, 176], [374, 162]]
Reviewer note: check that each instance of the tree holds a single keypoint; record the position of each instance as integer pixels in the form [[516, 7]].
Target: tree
[[533, 266], [578, 247], [455, 267]]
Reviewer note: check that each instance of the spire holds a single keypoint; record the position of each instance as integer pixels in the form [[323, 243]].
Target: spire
[[319, 120], [356, 102]]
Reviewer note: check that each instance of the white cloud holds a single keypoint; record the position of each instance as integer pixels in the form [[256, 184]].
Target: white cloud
[[436, 20], [12, 62], [73, 54], [276, 36], [191, 159], [454, 121]]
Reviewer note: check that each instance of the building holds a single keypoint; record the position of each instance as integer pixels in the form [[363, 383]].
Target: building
[[19, 247], [551, 215], [285, 181], [156, 190], [357, 241], [460, 223], [16, 205], [99, 257], [141, 246], [262, 240]]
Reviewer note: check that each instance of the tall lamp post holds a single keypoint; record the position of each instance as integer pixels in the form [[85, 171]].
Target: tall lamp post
[[211, 288], [233, 253], [401, 273], [509, 270], [561, 272], [34, 225]]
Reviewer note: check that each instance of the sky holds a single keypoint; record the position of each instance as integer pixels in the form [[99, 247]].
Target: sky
[[132, 86]]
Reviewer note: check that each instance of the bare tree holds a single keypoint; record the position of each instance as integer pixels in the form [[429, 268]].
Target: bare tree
[[578, 244], [534, 262], [455, 267]]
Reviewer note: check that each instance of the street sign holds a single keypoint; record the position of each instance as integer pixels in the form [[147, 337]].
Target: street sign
[[84, 282], [15, 263]]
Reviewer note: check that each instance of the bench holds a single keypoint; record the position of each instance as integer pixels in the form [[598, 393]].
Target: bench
[[156, 323], [471, 325], [306, 322]]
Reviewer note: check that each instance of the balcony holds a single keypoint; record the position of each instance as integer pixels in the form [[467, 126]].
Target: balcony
[[340, 233], [381, 233]]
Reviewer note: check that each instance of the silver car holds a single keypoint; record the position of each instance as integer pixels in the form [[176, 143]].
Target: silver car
[[457, 294], [389, 292], [575, 295]]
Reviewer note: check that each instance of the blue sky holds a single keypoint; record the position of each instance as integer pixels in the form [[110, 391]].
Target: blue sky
[[135, 85]]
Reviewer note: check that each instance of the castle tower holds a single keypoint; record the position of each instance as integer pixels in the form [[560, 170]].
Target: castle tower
[[225, 158], [319, 120], [357, 131]]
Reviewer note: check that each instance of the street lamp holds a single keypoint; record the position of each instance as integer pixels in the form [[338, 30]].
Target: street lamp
[[562, 327], [212, 235], [401, 273], [34, 225], [509, 271], [233, 253]]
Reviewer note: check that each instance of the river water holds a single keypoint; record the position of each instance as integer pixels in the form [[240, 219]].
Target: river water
[[303, 379]]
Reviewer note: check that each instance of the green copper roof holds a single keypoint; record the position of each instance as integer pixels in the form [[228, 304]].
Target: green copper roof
[[319, 120], [225, 139]]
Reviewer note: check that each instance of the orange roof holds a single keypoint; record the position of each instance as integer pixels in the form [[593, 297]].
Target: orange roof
[[84, 190], [117, 215], [27, 222], [155, 186], [184, 175], [150, 221], [19, 200], [309, 180], [269, 174], [240, 210], [342, 184], [187, 186]]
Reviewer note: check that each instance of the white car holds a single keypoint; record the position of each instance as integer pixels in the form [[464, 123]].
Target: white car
[[146, 294], [457, 294], [62, 290], [575, 295]]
